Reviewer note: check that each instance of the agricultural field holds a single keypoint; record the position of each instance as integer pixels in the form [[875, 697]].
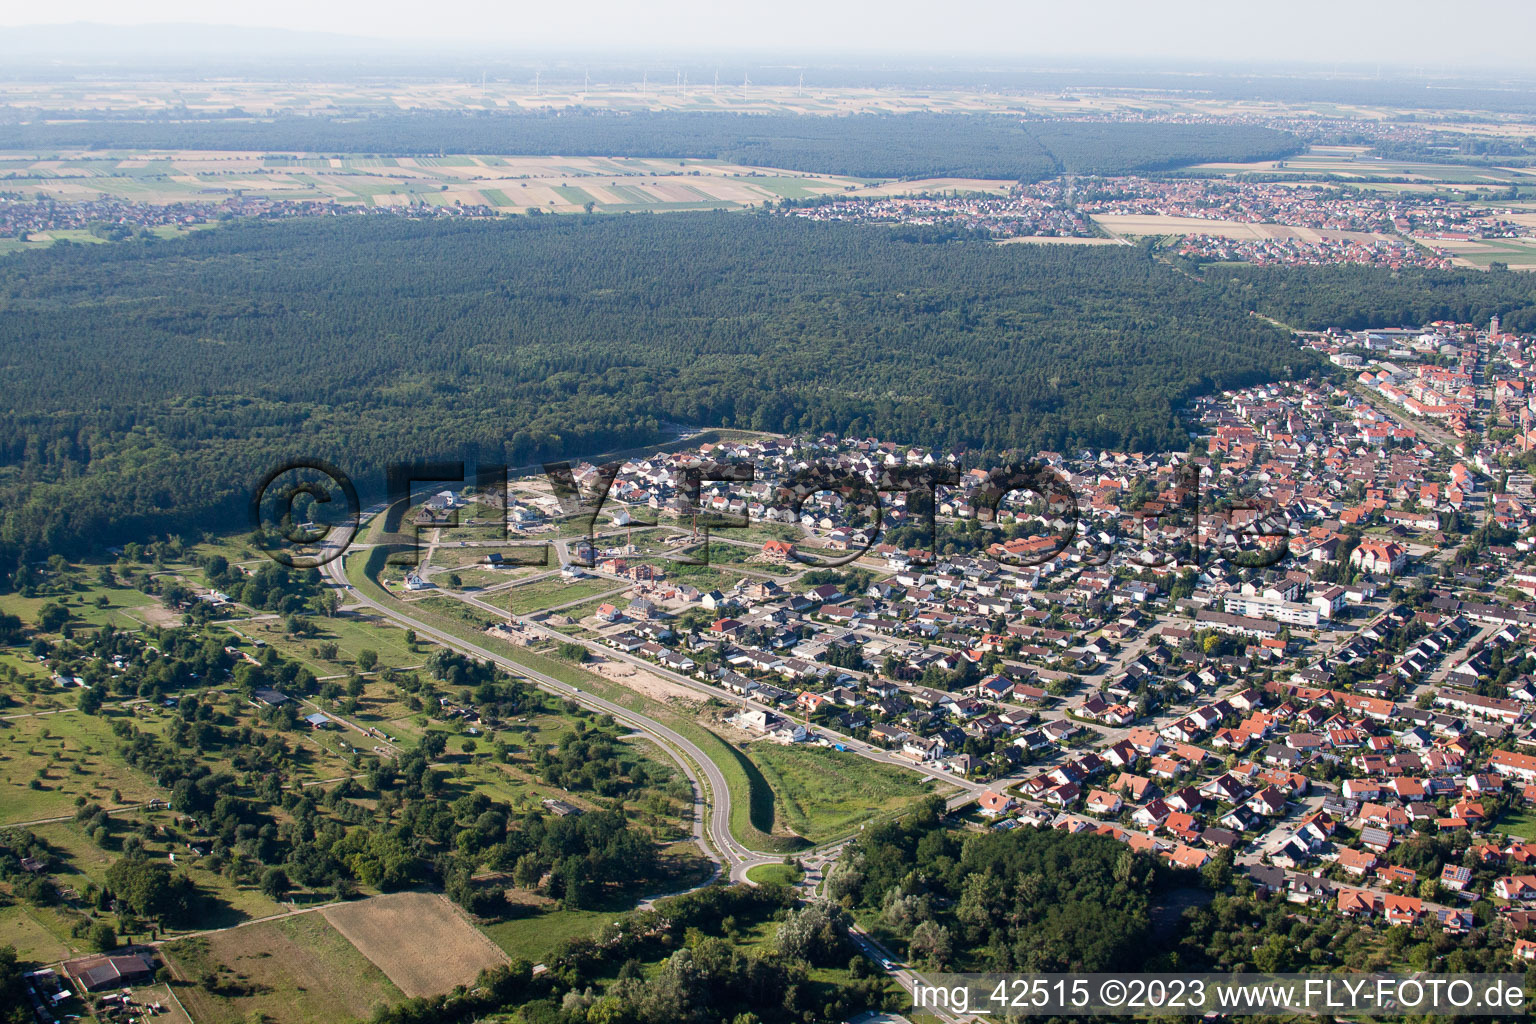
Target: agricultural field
[[300, 970], [504, 184], [420, 942], [614, 92], [265, 98], [1515, 253], [1355, 164], [1164, 225]]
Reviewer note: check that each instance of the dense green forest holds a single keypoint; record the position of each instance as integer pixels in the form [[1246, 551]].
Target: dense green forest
[[863, 145], [1031, 900], [147, 385], [1357, 297], [1045, 900]]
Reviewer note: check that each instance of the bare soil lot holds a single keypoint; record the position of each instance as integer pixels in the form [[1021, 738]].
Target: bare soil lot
[[641, 681], [418, 940]]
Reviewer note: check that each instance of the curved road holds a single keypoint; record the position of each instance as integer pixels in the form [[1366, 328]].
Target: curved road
[[712, 807], [968, 790]]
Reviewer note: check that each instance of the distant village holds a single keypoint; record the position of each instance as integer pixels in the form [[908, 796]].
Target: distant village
[[111, 218], [1035, 211], [1293, 224]]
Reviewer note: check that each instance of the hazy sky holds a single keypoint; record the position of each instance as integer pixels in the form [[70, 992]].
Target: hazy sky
[[1408, 34]]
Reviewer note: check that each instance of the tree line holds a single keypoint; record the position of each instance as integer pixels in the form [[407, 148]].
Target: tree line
[[861, 145], [1028, 900], [153, 383], [1358, 297]]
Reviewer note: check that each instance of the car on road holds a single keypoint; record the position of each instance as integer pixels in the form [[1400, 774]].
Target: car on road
[[887, 965]]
